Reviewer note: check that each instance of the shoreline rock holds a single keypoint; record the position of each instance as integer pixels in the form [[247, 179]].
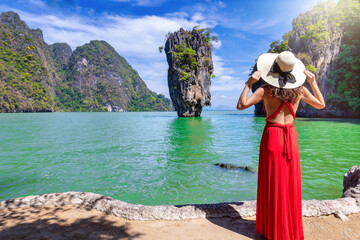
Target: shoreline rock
[[174, 212], [352, 183]]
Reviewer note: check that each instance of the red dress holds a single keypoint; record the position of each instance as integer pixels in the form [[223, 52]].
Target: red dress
[[278, 206]]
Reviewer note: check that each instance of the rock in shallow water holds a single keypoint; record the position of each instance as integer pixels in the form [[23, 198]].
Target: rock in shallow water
[[229, 166]]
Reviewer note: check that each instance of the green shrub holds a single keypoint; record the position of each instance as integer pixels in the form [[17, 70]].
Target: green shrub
[[311, 68]]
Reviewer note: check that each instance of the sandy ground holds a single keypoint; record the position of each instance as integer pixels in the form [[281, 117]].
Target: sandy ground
[[79, 222]]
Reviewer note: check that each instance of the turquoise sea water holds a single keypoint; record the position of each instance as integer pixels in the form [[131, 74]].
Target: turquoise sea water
[[155, 158]]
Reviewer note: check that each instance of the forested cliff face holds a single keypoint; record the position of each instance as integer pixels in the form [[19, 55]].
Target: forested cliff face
[[327, 40], [37, 77], [103, 80], [27, 72]]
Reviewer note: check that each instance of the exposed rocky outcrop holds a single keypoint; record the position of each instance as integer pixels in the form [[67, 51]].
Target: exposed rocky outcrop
[[352, 183], [190, 70], [96, 66]]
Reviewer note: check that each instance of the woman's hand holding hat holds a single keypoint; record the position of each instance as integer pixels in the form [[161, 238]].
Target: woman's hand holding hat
[[254, 78], [309, 76]]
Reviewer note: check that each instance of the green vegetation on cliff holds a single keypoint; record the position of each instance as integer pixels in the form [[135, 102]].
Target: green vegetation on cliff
[[185, 56], [24, 80], [346, 76], [21, 83]]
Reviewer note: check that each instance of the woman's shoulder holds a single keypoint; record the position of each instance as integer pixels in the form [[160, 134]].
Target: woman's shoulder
[[302, 90], [266, 89]]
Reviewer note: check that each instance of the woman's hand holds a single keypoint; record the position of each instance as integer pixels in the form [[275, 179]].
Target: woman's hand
[[245, 102], [309, 76], [316, 101], [254, 78]]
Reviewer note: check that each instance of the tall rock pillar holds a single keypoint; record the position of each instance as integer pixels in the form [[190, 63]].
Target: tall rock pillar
[[190, 70]]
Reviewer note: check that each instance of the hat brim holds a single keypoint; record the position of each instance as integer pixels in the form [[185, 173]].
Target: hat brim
[[266, 60]]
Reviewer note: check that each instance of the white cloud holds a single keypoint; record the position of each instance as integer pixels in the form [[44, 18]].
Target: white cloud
[[241, 36], [227, 101], [143, 3], [37, 3], [219, 66], [262, 23], [249, 25], [177, 15], [129, 35], [228, 87], [246, 72], [225, 79], [216, 44]]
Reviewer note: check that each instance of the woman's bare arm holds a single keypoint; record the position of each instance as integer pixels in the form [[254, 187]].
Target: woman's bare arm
[[317, 101], [245, 102]]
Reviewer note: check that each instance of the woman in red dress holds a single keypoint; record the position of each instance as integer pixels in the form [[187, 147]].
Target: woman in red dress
[[279, 202]]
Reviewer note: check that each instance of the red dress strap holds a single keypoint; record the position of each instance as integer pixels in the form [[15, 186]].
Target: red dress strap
[[276, 112], [279, 109], [291, 109]]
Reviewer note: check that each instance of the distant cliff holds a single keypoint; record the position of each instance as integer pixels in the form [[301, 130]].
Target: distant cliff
[[27, 72], [189, 57], [37, 77], [105, 81], [327, 40]]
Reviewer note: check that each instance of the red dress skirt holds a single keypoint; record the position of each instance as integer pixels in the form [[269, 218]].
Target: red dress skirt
[[279, 200]]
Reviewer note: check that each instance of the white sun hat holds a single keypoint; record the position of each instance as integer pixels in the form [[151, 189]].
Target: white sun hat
[[282, 70]]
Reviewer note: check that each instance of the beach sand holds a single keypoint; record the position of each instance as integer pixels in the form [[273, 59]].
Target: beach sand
[[80, 222]]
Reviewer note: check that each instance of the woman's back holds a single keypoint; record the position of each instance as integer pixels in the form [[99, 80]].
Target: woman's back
[[272, 104]]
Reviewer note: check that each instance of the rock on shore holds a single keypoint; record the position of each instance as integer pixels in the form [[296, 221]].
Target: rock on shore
[[352, 183]]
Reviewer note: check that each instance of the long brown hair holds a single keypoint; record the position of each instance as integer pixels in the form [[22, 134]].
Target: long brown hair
[[285, 95]]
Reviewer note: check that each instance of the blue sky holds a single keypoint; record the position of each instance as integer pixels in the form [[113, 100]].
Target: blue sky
[[136, 28]]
